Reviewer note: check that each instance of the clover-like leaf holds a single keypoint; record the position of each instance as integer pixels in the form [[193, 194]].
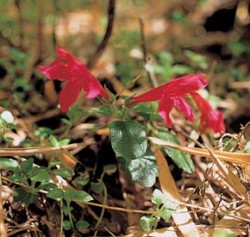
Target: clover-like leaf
[[148, 223]]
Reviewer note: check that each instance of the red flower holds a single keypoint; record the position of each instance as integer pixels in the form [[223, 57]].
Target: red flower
[[210, 118], [68, 68], [173, 93]]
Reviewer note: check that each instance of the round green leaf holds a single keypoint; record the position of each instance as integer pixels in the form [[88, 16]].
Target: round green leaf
[[81, 180], [55, 193], [82, 225], [164, 207], [128, 139], [110, 169], [66, 225], [148, 223], [97, 187]]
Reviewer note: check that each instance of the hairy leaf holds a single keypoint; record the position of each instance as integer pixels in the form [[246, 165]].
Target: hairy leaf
[[144, 170], [128, 139]]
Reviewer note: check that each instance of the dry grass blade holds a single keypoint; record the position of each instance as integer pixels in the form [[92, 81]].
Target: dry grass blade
[[233, 157], [182, 217], [119, 87], [229, 177], [40, 150]]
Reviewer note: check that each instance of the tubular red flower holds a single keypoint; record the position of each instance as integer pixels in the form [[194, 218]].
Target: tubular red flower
[[68, 68], [210, 118], [179, 86], [173, 93]]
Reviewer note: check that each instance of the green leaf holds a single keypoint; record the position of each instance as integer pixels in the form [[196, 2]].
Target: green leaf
[[43, 132], [8, 164], [66, 225], [197, 60], [82, 225], [76, 112], [164, 206], [128, 139], [25, 196], [53, 141], [67, 210], [159, 198], [224, 233], [144, 170], [47, 186], [64, 142], [19, 178], [66, 121], [104, 110], [148, 111], [27, 165], [148, 223], [110, 169], [63, 172], [248, 147], [40, 175], [76, 195], [55, 193], [164, 213], [97, 187], [81, 180], [181, 159]]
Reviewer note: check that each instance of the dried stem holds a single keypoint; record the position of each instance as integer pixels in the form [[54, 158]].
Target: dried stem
[[3, 231], [150, 75], [111, 16], [40, 41], [35, 150], [20, 21]]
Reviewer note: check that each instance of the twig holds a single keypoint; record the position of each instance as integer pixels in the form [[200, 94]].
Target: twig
[[36, 59], [55, 11], [3, 231], [150, 75], [111, 16], [119, 208], [36, 150], [46, 115], [40, 41], [20, 21]]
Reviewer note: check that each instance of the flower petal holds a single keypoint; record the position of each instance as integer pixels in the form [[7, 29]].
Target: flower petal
[[210, 118], [65, 67], [69, 68], [68, 95], [178, 87], [167, 103], [182, 105], [164, 108], [186, 84], [93, 88], [151, 95]]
